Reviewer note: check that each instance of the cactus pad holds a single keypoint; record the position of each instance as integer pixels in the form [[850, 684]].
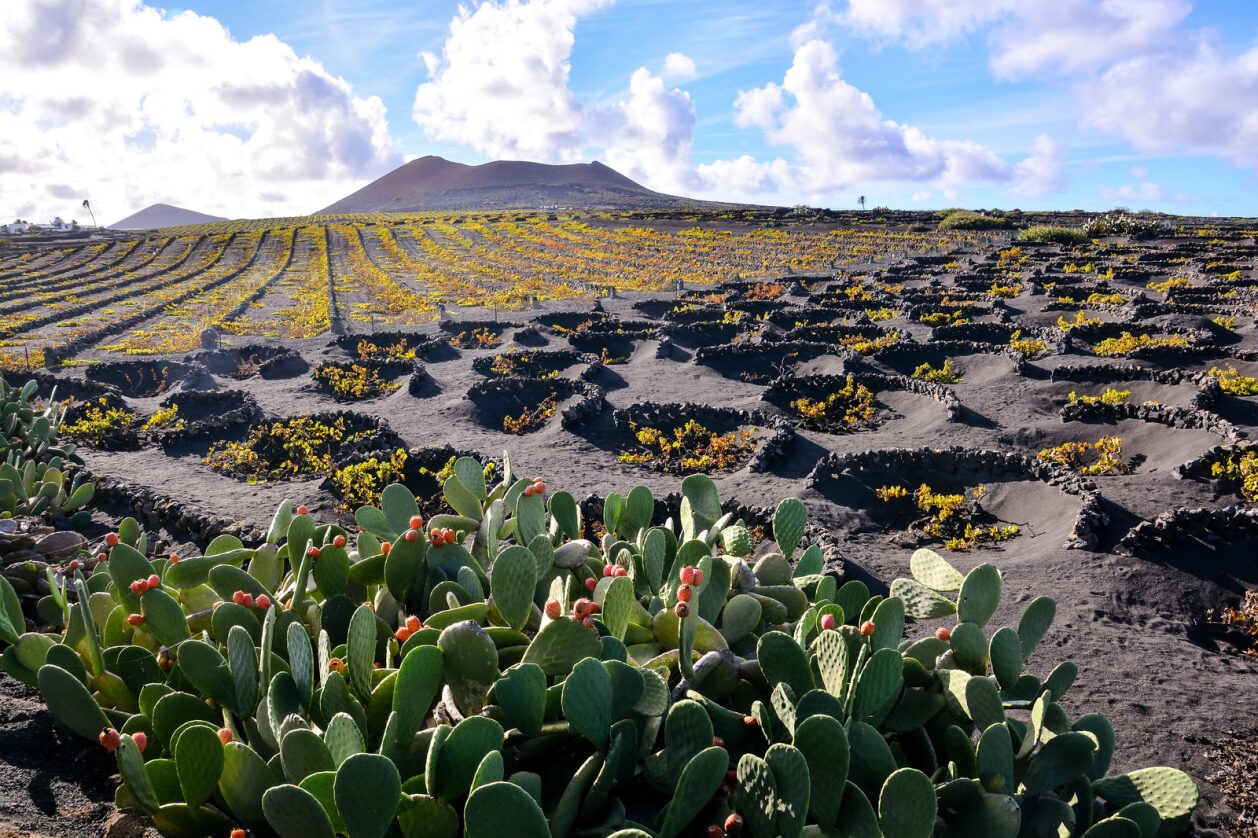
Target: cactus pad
[[906, 806], [1170, 791], [368, 789], [934, 571], [497, 806]]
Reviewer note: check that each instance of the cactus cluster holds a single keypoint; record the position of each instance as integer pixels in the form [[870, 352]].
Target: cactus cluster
[[33, 463], [489, 670]]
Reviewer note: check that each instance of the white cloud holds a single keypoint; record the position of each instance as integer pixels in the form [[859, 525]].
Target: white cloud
[[500, 84], [679, 66], [1144, 191], [1042, 171], [1201, 97], [111, 100], [648, 136], [1072, 36], [921, 23], [841, 138]]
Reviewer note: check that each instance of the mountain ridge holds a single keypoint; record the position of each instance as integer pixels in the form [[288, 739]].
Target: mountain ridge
[[156, 216], [433, 183]]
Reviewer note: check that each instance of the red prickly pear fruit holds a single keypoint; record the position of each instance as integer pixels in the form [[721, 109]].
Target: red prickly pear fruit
[[718, 742], [338, 541], [413, 623], [154, 581], [591, 584], [698, 577], [607, 570], [141, 741], [138, 587], [225, 735], [239, 597], [734, 824], [417, 522], [238, 833], [867, 628], [174, 558], [403, 634], [135, 619], [313, 552], [110, 739], [385, 547], [111, 539], [75, 564], [684, 593], [827, 622], [749, 721], [687, 575], [587, 621], [943, 633], [620, 571], [529, 491], [553, 609], [102, 557], [302, 509], [263, 601], [714, 831], [411, 535], [247, 600], [539, 487], [682, 609]]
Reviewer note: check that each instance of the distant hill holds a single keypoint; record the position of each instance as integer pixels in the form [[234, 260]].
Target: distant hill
[[433, 183], [163, 215]]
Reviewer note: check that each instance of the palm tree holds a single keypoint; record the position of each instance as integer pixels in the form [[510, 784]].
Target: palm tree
[[87, 205], [860, 200]]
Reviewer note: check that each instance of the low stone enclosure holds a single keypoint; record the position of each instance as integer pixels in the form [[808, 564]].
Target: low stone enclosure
[[267, 361], [783, 390], [140, 378], [207, 413], [1089, 522], [666, 417], [499, 398]]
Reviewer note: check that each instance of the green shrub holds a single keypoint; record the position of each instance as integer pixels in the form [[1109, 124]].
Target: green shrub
[[969, 220], [1055, 235]]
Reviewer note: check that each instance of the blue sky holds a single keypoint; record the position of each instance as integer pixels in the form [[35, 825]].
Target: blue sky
[[256, 109]]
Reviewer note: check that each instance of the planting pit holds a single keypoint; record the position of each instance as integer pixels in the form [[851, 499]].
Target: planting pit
[[140, 379]]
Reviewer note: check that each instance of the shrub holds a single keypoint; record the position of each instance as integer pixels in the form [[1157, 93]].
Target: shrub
[[1124, 224], [944, 375], [867, 345], [1105, 456], [953, 519], [691, 448], [1242, 470], [943, 318], [1165, 286], [1029, 347], [457, 683], [1243, 618], [1053, 235], [284, 449], [166, 418], [531, 419], [1126, 343], [846, 409], [969, 220], [360, 484], [520, 365], [879, 314], [400, 351], [1080, 319], [1006, 291], [1232, 382], [764, 291], [1111, 395], [98, 422], [480, 338], [1226, 322], [353, 382]]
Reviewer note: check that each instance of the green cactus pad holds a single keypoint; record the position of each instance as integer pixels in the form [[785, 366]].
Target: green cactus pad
[[995, 759], [512, 581], [687, 732], [788, 524], [1005, 653], [498, 806], [323, 786], [199, 760], [403, 568], [422, 816], [857, 817], [757, 796], [461, 754], [1059, 759], [1061, 678], [700, 505], [242, 782], [418, 683], [70, 702], [566, 513], [980, 595], [1102, 732], [888, 624], [368, 789], [163, 617], [740, 617], [131, 768], [871, 762], [296, 813], [851, 597], [823, 742], [920, 602], [969, 645], [832, 654], [304, 753], [934, 571], [878, 686], [791, 776], [982, 702], [343, 738], [242, 661], [1114, 827], [907, 805], [587, 699], [773, 569], [737, 541], [618, 605], [701, 776], [1170, 791], [560, 644], [783, 661], [988, 815]]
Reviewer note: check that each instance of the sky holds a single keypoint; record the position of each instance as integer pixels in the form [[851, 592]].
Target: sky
[[260, 108]]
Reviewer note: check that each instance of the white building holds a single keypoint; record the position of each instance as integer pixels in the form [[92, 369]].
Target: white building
[[14, 229], [63, 226]]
